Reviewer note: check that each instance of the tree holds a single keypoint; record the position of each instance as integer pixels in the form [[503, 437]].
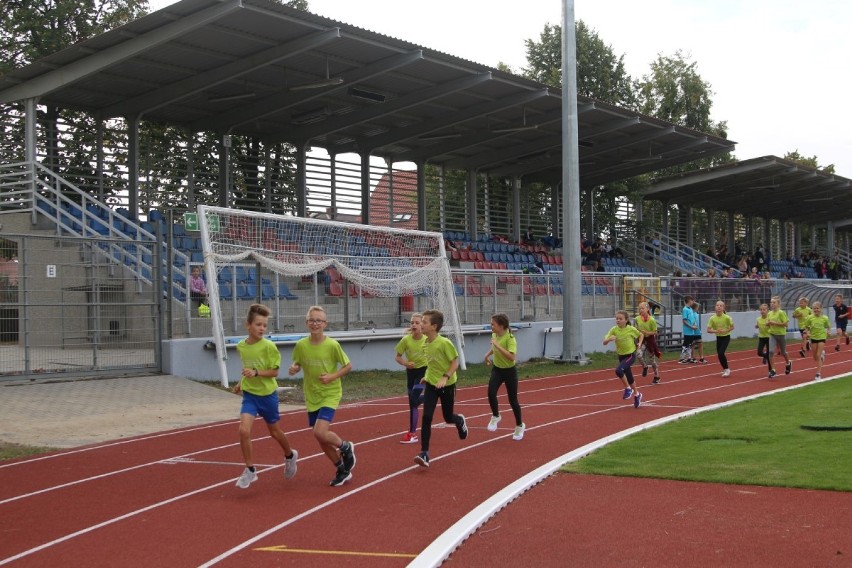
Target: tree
[[675, 92], [600, 73], [811, 162]]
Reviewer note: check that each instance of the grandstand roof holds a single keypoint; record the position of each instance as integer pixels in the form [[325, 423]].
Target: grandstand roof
[[762, 187], [258, 68]]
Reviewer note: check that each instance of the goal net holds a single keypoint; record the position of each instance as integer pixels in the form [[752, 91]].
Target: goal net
[[383, 262]]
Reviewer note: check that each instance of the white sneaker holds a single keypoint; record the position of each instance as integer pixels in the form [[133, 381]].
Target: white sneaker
[[247, 478], [519, 432], [290, 465], [492, 424], [822, 356], [817, 377], [726, 373]]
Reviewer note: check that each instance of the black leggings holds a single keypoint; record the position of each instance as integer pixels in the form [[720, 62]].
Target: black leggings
[[415, 395], [722, 342], [508, 375], [431, 396], [763, 347], [623, 369]]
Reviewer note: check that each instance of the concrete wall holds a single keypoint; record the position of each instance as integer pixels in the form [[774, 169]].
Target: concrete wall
[[374, 349]]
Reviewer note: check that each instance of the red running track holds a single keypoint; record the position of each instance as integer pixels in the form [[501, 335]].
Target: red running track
[[169, 498]]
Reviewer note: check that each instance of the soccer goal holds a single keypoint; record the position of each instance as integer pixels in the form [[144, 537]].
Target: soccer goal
[[382, 261]]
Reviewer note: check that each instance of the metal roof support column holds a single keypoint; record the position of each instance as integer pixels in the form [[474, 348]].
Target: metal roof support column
[[516, 209], [711, 228], [365, 188], [332, 186], [590, 216], [472, 213], [99, 149], [690, 232], [731, 240], [301, 180], [421, 195], [486, 206], [572, 306], [267, 166], [30, 149], [133, 166], [442, 205], [224, 171], [782, 235], [555, 190], [766, 239], [797, 240], [389, 164], [749, 234], [813, 238], [665, 220], [830, 235]]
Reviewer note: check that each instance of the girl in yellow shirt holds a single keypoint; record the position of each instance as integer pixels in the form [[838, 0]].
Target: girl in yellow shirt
[[625, 337]]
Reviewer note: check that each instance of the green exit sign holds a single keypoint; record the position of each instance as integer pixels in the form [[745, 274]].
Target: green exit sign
[[190, 222]]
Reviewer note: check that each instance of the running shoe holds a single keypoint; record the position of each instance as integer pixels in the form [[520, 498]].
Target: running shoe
[[788, 368], [644, 370], [290, 466], [801, 352], [422, 459], [837, 348], [519, 432], [628, 392], [847, 340], [637, 400], [772, 373], [822, 356], [726, 373], [247, 478], [809, 345], [817, 377], [462, 427], [342, 477], [409, 438], [492, 424], [656, 380], [347, 454], [702, 361]]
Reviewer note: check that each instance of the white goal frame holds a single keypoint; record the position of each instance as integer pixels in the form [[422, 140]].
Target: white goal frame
[[382, 261]]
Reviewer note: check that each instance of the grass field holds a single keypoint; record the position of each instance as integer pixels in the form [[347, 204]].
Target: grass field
[[759, 442]]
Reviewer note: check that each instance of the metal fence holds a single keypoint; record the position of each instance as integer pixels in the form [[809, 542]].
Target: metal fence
[[69, 306]]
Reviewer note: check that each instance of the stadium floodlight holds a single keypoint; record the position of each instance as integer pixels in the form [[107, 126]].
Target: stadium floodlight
[[383, 262]]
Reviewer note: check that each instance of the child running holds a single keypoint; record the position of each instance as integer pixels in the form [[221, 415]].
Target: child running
[[648, 352], [324, 363], [817, 327], [504, 347], [777, 321], [442, 361], [625, 337], [841, 318], [721, 325], [410, 354], [691, 330], [762, 326], [258, 382], [802, 313]]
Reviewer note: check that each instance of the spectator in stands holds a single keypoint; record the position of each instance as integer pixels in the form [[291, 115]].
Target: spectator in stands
[[537, 268], [711, 273], [759, 259], [552, 241], [529, 237], [599, 267], [197, 287]]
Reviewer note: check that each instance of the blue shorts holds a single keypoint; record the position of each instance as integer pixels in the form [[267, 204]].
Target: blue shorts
[[324, 413], [841, 323], [264, 406]]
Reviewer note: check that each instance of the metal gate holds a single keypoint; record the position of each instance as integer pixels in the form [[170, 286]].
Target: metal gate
[[74, 307]]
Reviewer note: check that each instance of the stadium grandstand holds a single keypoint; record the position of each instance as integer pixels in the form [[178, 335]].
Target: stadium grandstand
[[100, 227]]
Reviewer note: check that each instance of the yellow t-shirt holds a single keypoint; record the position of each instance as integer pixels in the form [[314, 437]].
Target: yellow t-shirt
[[413, 349], [439, 354], [625, 338], [261, 355], [510, 344], [326, 357], [817, 326], [778, 316], [801, 315], [650, 325], [723, 321], [762, 327]]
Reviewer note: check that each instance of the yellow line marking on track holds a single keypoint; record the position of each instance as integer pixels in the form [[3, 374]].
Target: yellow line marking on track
[[285, 548]]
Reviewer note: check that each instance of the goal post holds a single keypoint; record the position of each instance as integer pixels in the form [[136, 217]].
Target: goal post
[[382, 261]]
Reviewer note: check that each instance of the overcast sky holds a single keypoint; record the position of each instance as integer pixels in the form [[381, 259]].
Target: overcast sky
[[779, 69]]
